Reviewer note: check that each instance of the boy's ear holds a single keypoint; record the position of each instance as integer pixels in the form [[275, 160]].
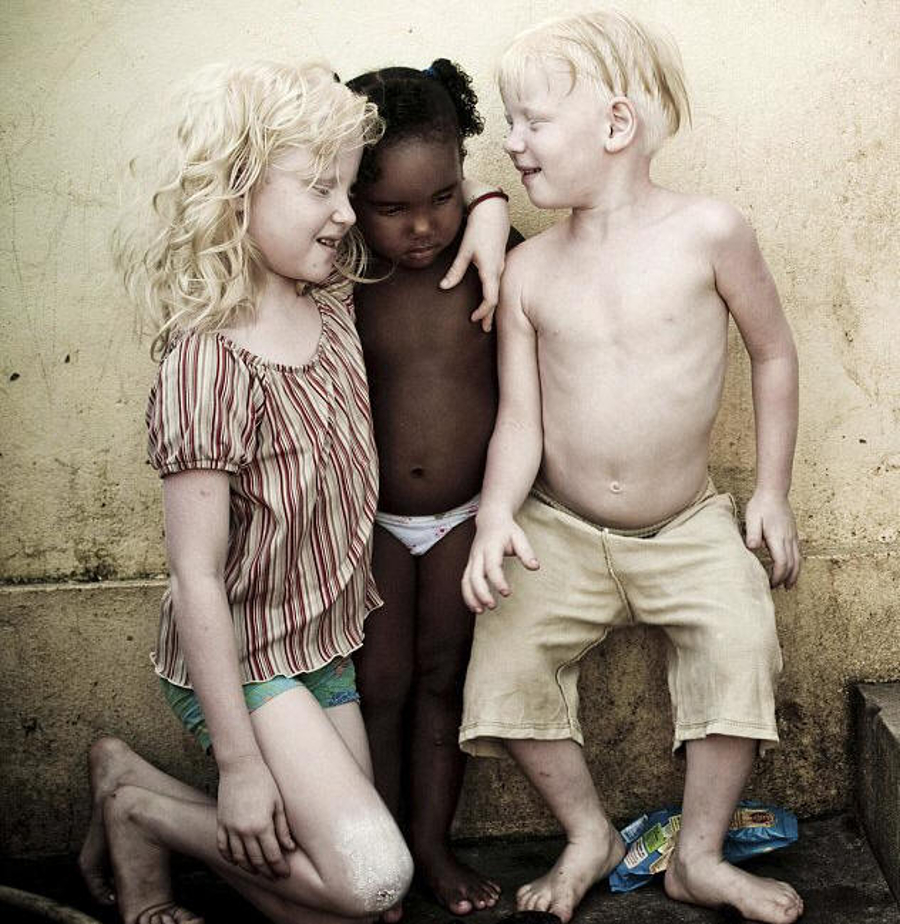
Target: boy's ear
[[621, 124]]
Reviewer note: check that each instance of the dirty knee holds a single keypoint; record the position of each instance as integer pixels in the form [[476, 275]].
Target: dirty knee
[[375, 869]]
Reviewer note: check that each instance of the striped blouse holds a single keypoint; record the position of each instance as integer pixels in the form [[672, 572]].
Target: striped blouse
[[297, 444]]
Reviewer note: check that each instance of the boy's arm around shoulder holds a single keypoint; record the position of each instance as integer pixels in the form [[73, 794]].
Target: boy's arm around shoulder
[[252, 832], [745, 284], [484, 243], [514, 453]]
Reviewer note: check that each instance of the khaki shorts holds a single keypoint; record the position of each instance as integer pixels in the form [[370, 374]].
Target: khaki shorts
[[694, 578]]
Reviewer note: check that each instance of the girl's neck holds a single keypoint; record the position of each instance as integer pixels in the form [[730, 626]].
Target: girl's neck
[[285, 327], [278, 297]]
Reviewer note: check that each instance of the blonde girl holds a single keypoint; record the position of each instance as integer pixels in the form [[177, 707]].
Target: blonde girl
[[259, 425]]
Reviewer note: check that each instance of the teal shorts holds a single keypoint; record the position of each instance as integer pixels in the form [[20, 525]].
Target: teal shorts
[[331, 685]]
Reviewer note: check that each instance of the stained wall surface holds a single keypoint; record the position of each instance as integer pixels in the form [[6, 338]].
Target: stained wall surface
[[795, 123]]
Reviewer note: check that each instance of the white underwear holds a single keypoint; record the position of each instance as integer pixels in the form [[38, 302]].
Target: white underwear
[[419, 534]]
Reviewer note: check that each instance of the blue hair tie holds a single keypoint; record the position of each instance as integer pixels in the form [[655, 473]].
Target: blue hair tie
[[430, 72]]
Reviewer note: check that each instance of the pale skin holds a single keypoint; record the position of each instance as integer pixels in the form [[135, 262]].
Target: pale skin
[[612, 347], [290, 774], [297, 827], [483, 246]]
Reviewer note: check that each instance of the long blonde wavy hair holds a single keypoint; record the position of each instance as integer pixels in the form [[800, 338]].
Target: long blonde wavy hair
[[182, 246]]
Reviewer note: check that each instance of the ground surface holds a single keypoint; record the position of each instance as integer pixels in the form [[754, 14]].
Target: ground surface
[[831, 866]]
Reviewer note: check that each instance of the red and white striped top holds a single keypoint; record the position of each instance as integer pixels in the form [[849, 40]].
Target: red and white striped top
[[297, 443]]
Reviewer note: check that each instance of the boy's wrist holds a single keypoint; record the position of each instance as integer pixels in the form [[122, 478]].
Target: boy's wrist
[[768, 499], [781, 492], [490, 194], [473, 187], [492, 513]]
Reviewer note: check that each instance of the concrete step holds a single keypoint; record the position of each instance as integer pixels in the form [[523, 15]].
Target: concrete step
[[877, 707], [831, 866]]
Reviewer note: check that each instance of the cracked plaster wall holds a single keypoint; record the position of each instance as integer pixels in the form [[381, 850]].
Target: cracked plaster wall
[[794, 116]]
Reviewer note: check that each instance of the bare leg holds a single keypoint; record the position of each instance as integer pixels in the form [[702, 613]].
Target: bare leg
[[558, 771], [141, 870], [347, 721], [717, 769], [349, 724], [384, 670], [131, 816], [384, 665], [113, 764], [443, 640], [352, 864]]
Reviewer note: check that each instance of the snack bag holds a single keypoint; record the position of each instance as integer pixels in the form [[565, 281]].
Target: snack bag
[[754, 829]]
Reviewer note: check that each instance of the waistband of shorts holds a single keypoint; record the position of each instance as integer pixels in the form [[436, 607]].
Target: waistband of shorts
[[638, 532], [397, 519]]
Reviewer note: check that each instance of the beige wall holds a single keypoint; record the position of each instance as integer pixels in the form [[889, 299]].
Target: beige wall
[[795, 122]]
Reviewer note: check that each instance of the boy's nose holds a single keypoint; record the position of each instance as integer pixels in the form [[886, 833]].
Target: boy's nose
[[513, 142]]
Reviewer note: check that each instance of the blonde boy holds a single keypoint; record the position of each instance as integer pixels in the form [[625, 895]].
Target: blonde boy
[[613, 328]]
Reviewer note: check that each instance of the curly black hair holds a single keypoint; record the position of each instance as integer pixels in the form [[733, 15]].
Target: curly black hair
[[438, 102]]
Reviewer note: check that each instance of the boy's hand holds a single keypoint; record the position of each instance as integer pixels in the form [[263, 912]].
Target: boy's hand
[[483, 244], [484, 569], [769, 518], [253, 832]]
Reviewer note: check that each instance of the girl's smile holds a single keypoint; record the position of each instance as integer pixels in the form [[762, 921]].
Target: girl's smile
[[298, 227]]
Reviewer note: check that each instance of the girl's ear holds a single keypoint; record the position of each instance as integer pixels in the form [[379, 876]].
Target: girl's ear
[[621, 124]]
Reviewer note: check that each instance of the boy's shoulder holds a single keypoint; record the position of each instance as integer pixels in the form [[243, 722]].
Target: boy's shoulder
[[532, 251], [713, 219]]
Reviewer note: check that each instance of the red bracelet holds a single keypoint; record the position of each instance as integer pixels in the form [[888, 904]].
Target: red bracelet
[[493, 194]]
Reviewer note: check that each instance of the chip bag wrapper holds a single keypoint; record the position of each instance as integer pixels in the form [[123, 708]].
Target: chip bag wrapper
[[755, 829]]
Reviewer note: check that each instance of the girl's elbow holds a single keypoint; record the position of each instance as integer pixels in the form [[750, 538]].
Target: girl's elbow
[[184, 587]]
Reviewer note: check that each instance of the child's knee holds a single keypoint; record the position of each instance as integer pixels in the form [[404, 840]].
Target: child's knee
[[442, 680], [371, 885], [745, 652], [756, 657], [370, 868]]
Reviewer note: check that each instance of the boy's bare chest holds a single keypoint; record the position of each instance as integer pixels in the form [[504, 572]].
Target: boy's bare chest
[[639, 300]]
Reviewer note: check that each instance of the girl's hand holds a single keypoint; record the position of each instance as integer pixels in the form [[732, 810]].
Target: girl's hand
[[253, 832], [483, 244]]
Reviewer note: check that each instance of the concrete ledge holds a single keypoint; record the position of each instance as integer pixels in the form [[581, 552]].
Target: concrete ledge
[[878, 753]]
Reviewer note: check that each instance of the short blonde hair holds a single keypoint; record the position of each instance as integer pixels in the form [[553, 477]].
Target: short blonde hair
[[617, 54], [183, 247]]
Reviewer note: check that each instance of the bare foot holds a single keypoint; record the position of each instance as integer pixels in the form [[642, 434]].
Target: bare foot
[[457, 887], [580, 865], [715, 883], [108, 764], [140, 866]]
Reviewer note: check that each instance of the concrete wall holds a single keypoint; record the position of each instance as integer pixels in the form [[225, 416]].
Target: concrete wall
[[794, 112]]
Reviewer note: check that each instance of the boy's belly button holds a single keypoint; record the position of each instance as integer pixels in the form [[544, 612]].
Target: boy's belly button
[[615, 487], [417, 471]]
